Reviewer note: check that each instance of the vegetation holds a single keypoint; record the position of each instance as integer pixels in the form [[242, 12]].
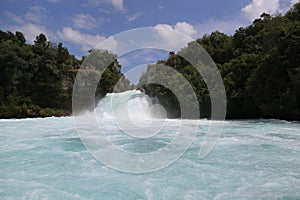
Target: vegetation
[[37, 80], [259, 64]]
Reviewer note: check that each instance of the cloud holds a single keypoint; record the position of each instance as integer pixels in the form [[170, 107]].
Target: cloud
[[36, 14], [257, 7], [253, 10], [286, 5], [227, 26], [110, 44], [85, 21], [32, 30], [117, 4], [14, 17], [132, 18], [30, 23], [185, 28], [170, 37], [142, 56], [182, 27], [86, 41]]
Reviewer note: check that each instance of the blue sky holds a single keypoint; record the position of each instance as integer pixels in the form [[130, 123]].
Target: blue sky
[[81, 25]]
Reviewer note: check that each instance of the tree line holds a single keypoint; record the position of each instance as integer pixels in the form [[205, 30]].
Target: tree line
[[259, 64], [37, 80]]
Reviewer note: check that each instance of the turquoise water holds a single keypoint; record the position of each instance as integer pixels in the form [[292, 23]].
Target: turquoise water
[[253, 159]]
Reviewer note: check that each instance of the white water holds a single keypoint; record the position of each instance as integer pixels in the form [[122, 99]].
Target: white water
[[131, 105], [45, 159]]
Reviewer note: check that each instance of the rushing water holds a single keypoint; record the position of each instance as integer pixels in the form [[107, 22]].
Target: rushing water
[[253, 159]]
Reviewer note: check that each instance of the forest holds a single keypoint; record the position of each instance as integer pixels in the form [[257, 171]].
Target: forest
[[259, 64], [37, 80]]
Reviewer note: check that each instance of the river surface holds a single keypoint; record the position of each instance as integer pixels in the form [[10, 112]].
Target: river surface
[[44, 158]]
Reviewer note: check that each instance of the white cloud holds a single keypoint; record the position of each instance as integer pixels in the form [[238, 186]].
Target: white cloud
[[14, 17], [142, 56], [131, 18], [182, 27], [30, 31], [253, 10], [85, 21], [170, 37], [257, 7], [185, 28], [286, 5], [36, 14], [86, 41], [118, 4], [164, 26], [110, 44], [292, 3], [29, 23]]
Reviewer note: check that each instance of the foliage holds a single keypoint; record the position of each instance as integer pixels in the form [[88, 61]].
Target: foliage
[[37, 80], [259, 65]]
